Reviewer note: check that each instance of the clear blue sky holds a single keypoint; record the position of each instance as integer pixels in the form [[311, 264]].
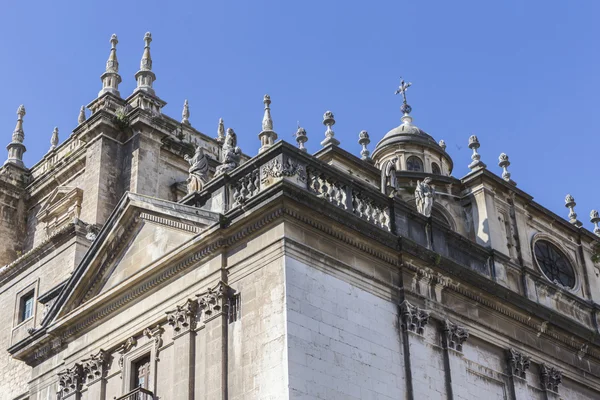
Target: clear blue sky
[[524, 76]]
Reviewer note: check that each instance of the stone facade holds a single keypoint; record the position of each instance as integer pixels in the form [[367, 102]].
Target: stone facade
[[285, 276]]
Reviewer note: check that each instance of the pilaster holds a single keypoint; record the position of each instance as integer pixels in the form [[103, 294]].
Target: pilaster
[[183, 320], [453, 338], [94, 369], [518, 365]]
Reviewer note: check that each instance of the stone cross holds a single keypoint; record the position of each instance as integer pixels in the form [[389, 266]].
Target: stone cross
[[402, 89]]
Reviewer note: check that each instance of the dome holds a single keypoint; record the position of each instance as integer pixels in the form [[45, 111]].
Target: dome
[[407, 132]]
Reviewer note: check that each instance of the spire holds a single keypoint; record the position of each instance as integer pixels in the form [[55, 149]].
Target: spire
[[504, 163], [185, 114], [54, 139], [221, 132], [595, 219], [267, 136], [473, 145], [111, 78], [363, 140], [145, 77], [81, 118], [301, 138], [570, 204], [16, 148], [329, 121]]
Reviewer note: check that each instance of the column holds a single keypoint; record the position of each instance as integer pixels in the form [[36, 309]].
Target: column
[[69, 382], [414, 320], [453, 338], [518, 364], [214, 305], [183, 321], [550, 379]]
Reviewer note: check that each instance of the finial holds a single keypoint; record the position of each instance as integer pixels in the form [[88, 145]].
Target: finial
[[329, 121], [405, 108], [474, 145], [185, 114], [595, 219], [442, 144], [267, 136], [145, 77], [81, 118], [221, 132], [111, 78], [570, 204], [301, 138], [16, 148], [363, 140], [54, 139], [504, 163]]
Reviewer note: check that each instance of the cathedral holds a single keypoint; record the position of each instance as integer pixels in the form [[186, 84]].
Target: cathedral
[[142, 259]]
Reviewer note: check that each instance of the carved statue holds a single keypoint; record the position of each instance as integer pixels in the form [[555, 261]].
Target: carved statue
[[424, 197], [198, 170], [231, 153]]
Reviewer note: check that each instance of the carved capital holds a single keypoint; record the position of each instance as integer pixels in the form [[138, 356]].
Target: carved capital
[[454, 335], [155, 334], [69, 380], [184, 316], [215, 301], [550, 378], [95, 366], [414, 319], [518, 363]]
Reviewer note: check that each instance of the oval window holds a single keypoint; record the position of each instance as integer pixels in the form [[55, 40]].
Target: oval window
[[554, 263]]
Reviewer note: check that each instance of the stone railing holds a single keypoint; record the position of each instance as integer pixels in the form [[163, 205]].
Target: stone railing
[[54, 157]]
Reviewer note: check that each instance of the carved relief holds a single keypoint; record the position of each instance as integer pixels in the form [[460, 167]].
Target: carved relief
[[518, 363], [155, 334], [454, 335], [69, 381], [215, 301], [414, 319], [95, 366], [550, 377], [184, 316], [125, 348], [275, 169]]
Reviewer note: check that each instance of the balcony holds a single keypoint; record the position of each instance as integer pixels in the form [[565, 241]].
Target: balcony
[[138, 393]]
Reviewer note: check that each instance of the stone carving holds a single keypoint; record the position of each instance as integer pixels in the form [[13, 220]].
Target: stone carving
[[442, 144], [198, 170], [214, 301], [221, 132], [570, 204], [364, 140], [414, 319], [246, 187], [155, 334], [455, 335], [275, 169], [301, 138], [185, 114], [92, 232], [54, 139], [424, 197], [70, 380], [475, 157], [81, 117], [95, 366], [550, 377], [504, 163], [518, 363], [329, 121], [125, 348], [231, 153], [184, 316], [595, 219], [367, 209], [402, 90]]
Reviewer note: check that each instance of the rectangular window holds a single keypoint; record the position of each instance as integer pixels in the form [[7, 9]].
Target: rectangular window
[[141, 371], [26, 307]]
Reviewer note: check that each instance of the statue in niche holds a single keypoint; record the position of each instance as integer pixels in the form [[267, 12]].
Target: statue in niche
[[424, 197], [198, 170], [231, 153]]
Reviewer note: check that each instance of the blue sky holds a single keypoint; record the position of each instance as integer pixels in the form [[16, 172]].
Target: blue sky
[[524, 76]]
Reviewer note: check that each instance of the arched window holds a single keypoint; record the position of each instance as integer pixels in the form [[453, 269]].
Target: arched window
[[554, 264], [435, 169], [414, 163]]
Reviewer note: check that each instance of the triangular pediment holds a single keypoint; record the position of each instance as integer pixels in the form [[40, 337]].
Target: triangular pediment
[[140, 232]]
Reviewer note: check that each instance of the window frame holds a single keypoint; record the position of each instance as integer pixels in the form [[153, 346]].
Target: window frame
[[420, 162], [31, 289], [438, 168], [564, 252]]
